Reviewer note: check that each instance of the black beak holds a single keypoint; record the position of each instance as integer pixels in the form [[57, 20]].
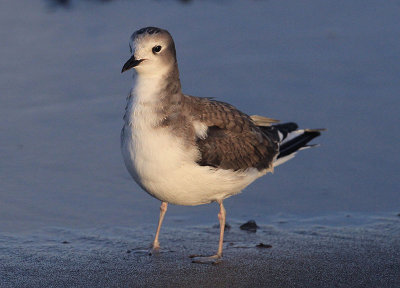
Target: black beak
[[132, 62]]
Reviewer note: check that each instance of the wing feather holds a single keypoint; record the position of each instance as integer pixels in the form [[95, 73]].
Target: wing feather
[[233, 140]]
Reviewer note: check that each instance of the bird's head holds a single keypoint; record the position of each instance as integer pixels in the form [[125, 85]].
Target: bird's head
[[152, 52]]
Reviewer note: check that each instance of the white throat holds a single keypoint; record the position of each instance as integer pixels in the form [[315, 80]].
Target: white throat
[[146, 90]]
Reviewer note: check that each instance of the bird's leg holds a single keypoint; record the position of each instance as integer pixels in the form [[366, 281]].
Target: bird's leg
[[163, 209], [221, 218], [215, 259]]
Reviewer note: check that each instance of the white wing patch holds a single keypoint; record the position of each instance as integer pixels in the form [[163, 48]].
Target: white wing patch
[[200, 129]]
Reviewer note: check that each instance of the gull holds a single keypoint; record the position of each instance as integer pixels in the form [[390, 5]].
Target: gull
[[188, 150]]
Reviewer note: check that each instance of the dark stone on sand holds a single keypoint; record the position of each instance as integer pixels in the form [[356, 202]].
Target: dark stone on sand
[[262, 245], [250, 226], [65, 242], [398, 215], [128, 251]]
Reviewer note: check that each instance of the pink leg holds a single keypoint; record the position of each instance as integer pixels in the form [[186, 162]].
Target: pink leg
[[163, 209], [221, 217], [215, 259]]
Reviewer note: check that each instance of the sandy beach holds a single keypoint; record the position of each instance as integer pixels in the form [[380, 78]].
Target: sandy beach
[[306, 256]]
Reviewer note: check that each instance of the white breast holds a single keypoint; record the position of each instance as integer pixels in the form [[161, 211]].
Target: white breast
[[166, 168]]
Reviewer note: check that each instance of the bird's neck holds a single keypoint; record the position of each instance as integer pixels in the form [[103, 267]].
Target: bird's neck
[[156, 89], [154, 98]]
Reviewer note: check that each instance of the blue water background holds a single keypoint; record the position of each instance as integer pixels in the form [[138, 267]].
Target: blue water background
[[323, 64]]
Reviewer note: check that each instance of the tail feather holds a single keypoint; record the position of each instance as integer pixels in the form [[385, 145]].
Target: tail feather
[[282, 160], [297, 143], [290, 139]]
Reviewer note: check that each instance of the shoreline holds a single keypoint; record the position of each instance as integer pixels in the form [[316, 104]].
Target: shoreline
[[313, 256]]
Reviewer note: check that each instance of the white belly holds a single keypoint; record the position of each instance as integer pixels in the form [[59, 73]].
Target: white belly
[[161, 164]]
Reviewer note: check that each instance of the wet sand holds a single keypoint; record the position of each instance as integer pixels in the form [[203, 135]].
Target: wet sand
[[312, 256]]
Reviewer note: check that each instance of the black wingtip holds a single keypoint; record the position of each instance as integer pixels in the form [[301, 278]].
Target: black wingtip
[[299, 142], [286, 127]]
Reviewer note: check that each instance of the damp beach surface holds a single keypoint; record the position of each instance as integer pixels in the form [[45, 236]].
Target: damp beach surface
[[283, 253], [70, 215]]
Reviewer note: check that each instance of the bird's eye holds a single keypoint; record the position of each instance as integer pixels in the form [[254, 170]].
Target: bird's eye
[[156, 49]]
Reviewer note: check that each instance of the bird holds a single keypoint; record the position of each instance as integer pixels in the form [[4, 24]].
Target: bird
[[188, 150]]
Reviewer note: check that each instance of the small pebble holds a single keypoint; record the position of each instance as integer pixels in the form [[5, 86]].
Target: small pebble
[[262, 245], [128, 251], [250, 226], [65, 242]]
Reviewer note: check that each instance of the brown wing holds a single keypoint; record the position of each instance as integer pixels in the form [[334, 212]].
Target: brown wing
[[233, 141]]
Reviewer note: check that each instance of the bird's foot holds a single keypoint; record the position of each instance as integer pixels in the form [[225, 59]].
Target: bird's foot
[[199, 259], [154, 249]]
